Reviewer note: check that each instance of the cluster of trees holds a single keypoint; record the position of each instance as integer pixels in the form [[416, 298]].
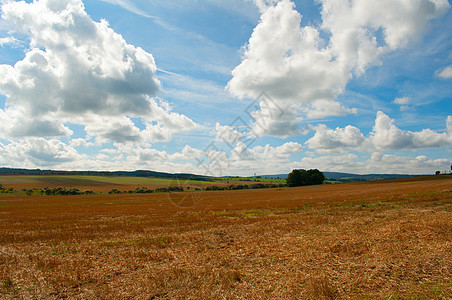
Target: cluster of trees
[[299, 177]]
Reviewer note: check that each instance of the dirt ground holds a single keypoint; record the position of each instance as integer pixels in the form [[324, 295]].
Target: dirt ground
[[389, 239]]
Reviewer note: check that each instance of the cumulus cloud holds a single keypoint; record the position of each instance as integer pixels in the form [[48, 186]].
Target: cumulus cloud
[[298, 68], [445, 73], [240, 157], [32, 152], [265, 153], [80, 143], [385, 135], [213, 160], [15, 124], [387, 163], [377, 163], [228, 134], [338, 163], [338, 140], [78, 70], [10, 40], [274, 120], [323, 108]]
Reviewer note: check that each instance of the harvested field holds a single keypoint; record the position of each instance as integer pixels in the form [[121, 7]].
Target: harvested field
[[94, 183], [389, 239]]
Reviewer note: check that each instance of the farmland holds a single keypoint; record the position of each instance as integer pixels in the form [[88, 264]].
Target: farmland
[[95, 183], [389, 239]]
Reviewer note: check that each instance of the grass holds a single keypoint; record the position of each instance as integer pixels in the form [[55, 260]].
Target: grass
[[389, 240]]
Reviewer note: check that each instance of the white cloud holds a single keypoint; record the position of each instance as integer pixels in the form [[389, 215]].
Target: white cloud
[[323, 108], [10, 40], [292, 64], [377, 163], [355, 26], [284, 60], [32, 152], [187, 153], [241, 160], [338, 163], [228, 134], [102, 156], [402, 100], [445, 73], [338, 140], [387, 136], [260, 159], [38, 152], [80, 143], [284, 151], [240, 139], [78, 70], [274, 120], [384, 136], [16, 123], [386, 163], [265, 153]]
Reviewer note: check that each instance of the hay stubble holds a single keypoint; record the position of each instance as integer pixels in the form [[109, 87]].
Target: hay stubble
[[375, 240]]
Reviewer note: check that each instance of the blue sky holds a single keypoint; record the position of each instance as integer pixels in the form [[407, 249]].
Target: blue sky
[[226, 88]]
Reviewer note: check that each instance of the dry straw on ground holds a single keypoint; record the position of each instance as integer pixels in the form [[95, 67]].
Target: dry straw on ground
[[373, 240]]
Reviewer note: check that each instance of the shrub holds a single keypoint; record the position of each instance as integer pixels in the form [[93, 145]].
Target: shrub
[[143, 190], [170, 189], [114, 191]]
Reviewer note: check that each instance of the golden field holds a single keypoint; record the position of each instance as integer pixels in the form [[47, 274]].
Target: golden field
[[389, 239]]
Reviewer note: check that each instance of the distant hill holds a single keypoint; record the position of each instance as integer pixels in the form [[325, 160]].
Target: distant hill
[[137, 173], [357, 177], [346, 177], [332, 176]]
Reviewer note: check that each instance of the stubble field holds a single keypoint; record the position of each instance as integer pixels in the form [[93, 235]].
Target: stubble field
[[370, 240], [100, 184]]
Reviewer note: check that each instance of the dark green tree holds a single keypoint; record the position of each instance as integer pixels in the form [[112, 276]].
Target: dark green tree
[[299, 177], [294, 178], [314, 176]]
